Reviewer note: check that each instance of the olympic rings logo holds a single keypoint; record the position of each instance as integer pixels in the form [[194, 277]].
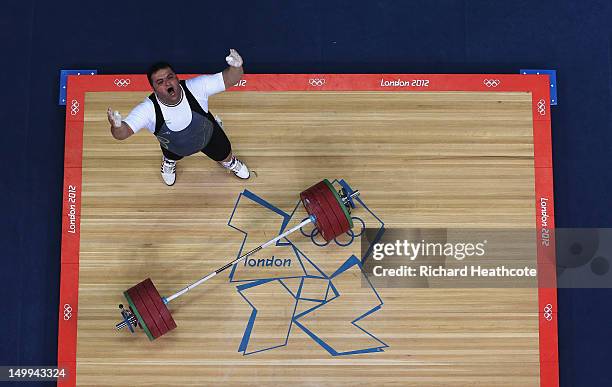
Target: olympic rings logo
[[491, 82], [548, 312], [316, 82], [541, 107], [74, 107], [67, 312], [322, 243], [122, 82]]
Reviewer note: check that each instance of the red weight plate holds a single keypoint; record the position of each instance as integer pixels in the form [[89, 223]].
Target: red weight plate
[[331, 221], [144, 311], [312, 206], [328, 232], [313, 209], [306, 195], [159, 321], [329, 212], [343, 207], [339, 209], [334, 209], [134, 310], [159, 304]]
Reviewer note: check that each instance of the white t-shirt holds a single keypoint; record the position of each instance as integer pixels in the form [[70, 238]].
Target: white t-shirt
[[178, 116]]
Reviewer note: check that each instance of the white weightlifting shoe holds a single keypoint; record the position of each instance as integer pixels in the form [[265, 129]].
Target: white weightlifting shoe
[[239, 168], [168, 171]]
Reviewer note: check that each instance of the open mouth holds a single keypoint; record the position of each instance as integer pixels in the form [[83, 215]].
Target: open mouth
[[171, 90]]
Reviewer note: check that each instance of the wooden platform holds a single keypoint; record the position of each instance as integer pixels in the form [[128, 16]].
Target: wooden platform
[[456, 159]]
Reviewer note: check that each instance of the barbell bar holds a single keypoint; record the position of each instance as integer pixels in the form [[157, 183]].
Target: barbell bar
[[329, 210]]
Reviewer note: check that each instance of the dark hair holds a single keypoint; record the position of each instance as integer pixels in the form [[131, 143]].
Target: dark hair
[[155, 67]]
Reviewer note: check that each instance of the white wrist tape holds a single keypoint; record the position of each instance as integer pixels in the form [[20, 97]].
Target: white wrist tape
[[116, 119], [234, 59]]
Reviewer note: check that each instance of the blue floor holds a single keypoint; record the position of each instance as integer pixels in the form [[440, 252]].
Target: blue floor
[[427, 36]]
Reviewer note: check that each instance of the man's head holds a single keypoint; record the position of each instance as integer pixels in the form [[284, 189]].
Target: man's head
[[165, 83]]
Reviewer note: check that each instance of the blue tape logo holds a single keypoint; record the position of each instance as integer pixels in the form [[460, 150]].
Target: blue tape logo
[[291, 288]]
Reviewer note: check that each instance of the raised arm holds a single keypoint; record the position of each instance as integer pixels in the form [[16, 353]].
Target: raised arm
[[233, 73], [119, 129]]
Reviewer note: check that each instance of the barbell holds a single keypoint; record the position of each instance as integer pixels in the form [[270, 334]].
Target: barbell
[[328, 209]]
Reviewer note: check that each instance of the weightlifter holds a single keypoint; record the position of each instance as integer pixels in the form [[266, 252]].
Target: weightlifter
[[177, 114]]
